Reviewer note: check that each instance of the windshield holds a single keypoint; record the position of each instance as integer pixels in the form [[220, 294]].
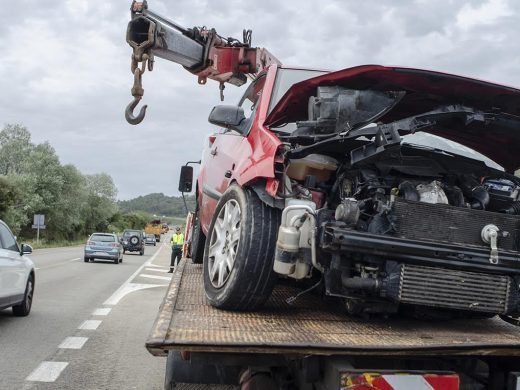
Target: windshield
[[285, 78], [129, 233], [102, 237]]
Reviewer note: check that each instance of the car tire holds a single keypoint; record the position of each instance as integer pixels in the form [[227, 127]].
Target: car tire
[[124, 251], [252, 228], [116, 261], [86, 259], [141, 252], [198, 242], [24, 308]]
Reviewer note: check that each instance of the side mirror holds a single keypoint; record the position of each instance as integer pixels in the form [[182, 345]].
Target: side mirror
[[186, 179], [230, 117], [26, 249]]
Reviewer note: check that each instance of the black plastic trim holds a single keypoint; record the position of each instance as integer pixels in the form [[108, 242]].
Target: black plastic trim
[[419, 252]]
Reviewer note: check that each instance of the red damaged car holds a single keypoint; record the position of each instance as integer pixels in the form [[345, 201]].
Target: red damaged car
[[390, 187]]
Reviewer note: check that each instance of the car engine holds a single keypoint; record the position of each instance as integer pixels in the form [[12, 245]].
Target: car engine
[[392, 225]]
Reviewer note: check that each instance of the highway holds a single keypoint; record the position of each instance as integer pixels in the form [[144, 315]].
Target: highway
[[88, 323]]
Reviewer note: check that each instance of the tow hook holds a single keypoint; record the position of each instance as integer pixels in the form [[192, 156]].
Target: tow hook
[[489, 235]]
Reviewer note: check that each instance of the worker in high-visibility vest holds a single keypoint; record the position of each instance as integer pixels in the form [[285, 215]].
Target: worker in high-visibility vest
[[177, 242]]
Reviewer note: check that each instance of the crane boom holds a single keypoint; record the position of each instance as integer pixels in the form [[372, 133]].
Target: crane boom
[[201, 51]]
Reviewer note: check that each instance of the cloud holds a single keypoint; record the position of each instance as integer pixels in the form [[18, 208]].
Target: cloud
[[66, 68]]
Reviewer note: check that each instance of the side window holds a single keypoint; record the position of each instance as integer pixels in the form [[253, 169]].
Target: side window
[[252, 96], [8, 241]]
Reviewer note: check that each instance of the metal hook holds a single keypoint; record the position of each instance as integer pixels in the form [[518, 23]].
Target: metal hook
[[129, 115]]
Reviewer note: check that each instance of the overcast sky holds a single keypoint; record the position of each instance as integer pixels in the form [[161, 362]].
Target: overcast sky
[[65, 67]]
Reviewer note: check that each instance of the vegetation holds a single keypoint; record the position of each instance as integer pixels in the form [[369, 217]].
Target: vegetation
[[159, 204], [33, 181]]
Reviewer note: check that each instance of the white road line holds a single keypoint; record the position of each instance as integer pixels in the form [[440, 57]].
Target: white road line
[[157, 269], [47, 372], [155, 277], [58, 264], [102, 311], [73, 343], [90, 324], [156, 266], [128, 287]]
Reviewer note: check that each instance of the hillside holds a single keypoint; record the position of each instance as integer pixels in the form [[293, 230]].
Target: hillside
[[158, 204]]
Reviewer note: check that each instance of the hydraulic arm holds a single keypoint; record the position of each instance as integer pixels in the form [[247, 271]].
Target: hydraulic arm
[[201, 51]]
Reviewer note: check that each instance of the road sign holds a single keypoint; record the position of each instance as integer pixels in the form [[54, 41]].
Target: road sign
[[39, 220], [38, 224]]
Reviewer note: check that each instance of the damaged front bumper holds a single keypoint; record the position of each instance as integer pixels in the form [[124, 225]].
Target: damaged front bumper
[[422, 272]]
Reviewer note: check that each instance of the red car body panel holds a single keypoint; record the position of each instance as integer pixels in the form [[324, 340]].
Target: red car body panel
[[233, 157], [426, 90]]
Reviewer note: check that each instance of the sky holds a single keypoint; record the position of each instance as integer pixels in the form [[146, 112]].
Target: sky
[[65, 68]]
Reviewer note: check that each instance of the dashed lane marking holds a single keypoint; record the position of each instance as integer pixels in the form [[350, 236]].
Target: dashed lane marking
[[58, 264], [155, 277], [127, 287], [101, 311], [47, 372], [157, 269], [73, 343], [90, 324]]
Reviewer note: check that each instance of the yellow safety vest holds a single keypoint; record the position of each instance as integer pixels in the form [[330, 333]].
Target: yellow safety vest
[[177, 239]]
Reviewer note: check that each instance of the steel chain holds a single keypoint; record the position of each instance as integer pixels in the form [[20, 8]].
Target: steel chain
[[146, 62]]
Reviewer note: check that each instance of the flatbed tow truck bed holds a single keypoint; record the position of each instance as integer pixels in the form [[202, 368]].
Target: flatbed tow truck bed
[[312, 326], [316, 342]]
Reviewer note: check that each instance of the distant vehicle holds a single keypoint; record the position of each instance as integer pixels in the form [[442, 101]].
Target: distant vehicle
[[165, 228], [133, 241], [155, 228], [150, 240], [16, 274], [105, 246]]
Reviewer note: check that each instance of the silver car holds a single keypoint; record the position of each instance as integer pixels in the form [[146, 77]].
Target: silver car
[[105, 246], [16, 274], [150, 240]]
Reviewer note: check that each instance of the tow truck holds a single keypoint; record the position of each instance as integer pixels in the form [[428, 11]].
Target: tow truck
[[302, 338]]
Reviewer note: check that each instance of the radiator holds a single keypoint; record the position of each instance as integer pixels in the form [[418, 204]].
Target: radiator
[[441, 222]]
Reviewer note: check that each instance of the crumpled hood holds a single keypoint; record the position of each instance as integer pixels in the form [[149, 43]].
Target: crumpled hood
[[425, 90]]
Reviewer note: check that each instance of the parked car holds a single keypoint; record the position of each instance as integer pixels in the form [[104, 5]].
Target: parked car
[[17, 278], [133, 241], [150, 240], [105, 246], [393, 188]]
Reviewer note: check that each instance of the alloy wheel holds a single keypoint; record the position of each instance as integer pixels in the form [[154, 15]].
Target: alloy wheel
[[224, 243]]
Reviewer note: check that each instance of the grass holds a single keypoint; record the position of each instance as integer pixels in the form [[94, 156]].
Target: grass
[[52, 244]]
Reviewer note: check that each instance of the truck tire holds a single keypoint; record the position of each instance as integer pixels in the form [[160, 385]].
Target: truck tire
[[198, 241], [239, 251], [24, 308]]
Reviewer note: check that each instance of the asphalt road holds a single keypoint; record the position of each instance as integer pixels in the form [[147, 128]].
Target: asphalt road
[[88, 323]]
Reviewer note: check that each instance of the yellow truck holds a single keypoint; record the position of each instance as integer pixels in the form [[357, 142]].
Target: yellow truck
[[155, 228]]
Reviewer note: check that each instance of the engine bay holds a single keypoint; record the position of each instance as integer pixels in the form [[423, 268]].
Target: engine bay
[[350, 181]]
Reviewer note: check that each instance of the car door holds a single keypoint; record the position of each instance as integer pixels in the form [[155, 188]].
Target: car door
[[226, 150], [12, 268]]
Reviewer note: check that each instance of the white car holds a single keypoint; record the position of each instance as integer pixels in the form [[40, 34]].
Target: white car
[[16, 274]]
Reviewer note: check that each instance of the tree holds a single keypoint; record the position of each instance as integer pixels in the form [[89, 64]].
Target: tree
[[100, 205], [15, 146]]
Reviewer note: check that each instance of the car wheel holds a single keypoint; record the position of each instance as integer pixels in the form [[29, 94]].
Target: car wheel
[[24, 308], [116, 261], [239, 251], [141, 252], [86, 259], [124, 251], [198, 242]]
